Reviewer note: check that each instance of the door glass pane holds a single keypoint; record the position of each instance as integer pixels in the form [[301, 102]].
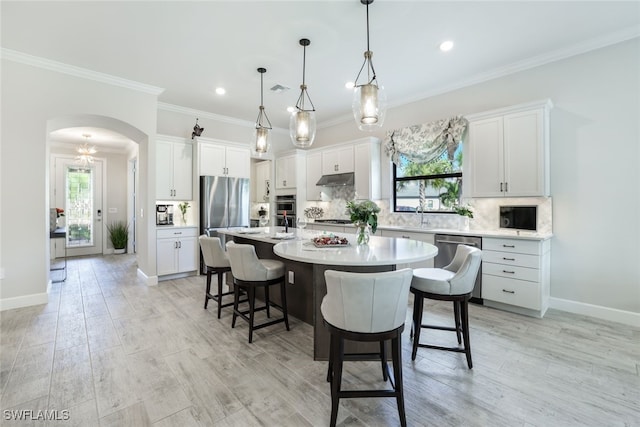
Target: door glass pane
[[79, 206]]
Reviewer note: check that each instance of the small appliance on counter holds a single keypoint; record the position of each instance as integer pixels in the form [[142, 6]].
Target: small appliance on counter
[[164, 214], [519, 217]]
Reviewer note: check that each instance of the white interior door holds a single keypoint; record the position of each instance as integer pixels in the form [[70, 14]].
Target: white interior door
[[78, 189]]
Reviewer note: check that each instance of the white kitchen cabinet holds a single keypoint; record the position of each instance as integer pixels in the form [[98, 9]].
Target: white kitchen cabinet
[[337, 160], [224, 160], [262, 182], [516, 275], [422, 237], [314, 172], [176, 250], [367, 169], [174, 170], [507, 152], [286, 172]]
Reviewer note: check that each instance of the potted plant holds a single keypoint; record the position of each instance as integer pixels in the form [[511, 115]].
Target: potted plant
[[183, 211], [364, 216], [119, 236]]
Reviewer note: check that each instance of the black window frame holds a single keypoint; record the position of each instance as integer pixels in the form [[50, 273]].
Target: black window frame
[[421, 178]]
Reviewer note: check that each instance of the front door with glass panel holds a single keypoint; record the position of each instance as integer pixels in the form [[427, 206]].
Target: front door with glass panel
[[79, 190]]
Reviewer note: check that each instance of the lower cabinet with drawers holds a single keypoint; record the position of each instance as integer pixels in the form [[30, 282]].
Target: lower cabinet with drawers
[[176, 250], [516, 275], [423, 237]]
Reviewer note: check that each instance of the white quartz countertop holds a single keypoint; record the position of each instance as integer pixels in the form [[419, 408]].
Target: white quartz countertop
[[379, 250], [516, 234]]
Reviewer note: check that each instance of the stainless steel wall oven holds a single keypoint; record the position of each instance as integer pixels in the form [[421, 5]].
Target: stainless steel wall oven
[[286, 203]]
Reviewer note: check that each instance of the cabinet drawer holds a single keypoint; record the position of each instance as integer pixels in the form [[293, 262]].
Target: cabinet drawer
[[510, 258], [509, 291], [511, 245], [511, 271], [423, 237], [176, 232]]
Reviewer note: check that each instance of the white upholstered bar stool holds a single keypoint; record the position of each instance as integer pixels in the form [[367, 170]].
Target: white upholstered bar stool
[[216, 262], [366, 307], [453, 282], [250, 272]]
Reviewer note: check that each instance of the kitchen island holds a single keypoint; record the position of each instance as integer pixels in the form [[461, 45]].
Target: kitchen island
[[306, 265]]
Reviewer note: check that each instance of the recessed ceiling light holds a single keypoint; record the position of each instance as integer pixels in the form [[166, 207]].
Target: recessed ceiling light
[[221, 90], [446, 46], [349, 85]]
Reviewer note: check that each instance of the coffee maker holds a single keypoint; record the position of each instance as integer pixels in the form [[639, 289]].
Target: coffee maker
[[164, 214]]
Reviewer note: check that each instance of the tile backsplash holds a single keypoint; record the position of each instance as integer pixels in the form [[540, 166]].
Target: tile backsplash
[[485, 212]]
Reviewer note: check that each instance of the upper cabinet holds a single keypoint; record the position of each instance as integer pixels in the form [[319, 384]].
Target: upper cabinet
[[286, 172], [218, 159], [174, 169], [262, 181], [507, 152], [314, 172], [337, 160], [367, 169], [362, 157]]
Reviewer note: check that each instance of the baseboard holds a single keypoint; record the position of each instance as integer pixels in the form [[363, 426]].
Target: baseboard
[[150, 280], [597, 311], [23, 301]]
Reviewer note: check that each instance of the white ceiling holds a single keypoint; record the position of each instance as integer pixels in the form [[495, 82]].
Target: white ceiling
[[190, 48]]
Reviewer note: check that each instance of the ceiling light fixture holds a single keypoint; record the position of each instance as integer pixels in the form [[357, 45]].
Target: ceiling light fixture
[[446, 46], [85, 153], [221, 90], [369, 99], [302, 124], [262, 131]]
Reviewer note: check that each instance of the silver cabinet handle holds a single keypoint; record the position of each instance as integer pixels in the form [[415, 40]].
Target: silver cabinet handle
[[509, 246], [508, 272], [179, 244], [500, 187], [506, 187], [508, 259], [508, 292], [405, 237]]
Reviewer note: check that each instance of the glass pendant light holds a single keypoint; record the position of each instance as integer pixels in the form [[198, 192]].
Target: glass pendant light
[[262, 134], [302, 124], [369, 99]]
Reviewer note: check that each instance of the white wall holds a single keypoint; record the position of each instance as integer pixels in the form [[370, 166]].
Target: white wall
[[32, 98], [595, 183]]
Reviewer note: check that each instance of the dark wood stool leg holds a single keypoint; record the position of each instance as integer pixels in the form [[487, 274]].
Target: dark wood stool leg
[[236, 299], [283, 298], [338, 356], [252, 309], [383, 360], [396, 352], [208, 289], [418, 302], [220, 274], [266, 300], [465, 331], [456, 315], [332, 346]]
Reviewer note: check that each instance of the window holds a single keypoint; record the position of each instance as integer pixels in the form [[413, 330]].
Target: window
[[79, 206], [438, 183]]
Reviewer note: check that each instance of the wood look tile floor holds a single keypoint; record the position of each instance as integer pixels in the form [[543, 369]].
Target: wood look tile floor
[[114, 352]]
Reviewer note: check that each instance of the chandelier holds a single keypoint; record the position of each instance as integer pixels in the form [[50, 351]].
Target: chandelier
[[85, 153]]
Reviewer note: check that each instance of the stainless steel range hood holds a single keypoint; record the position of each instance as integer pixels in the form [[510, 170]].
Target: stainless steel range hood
[[336, 180]]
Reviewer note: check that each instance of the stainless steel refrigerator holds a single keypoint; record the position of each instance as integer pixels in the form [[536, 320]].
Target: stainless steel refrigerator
[[224, 203]]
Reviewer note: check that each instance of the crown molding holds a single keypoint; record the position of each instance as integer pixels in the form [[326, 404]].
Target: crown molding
[[212, 116], [59, 67], [620, 36]]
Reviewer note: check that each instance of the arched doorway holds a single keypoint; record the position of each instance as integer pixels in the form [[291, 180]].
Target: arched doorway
[[63, 129]]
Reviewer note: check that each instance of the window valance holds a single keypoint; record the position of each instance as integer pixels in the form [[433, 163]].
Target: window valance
[[426, 142]]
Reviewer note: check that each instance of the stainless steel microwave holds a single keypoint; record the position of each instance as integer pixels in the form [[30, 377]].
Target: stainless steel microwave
[[519, 217]]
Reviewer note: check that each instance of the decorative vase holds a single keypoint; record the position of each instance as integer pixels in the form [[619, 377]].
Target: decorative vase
[[464, 223], [184, 219], [363, 233]]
